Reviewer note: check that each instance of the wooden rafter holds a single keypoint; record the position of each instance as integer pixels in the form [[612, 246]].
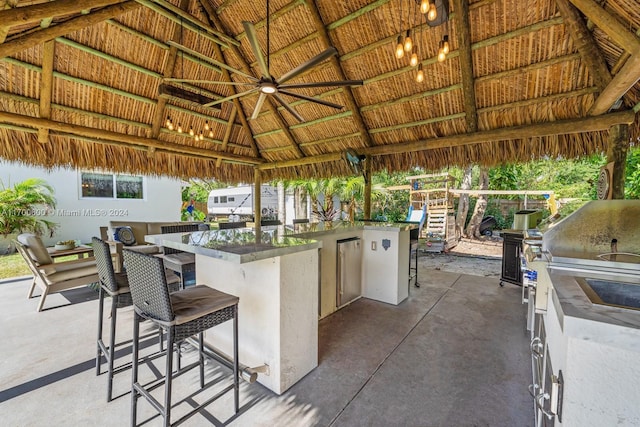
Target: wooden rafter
[[18, 119], [466, 63], [562, 127], [347, 91], [629, 74], [74, 24], [227, 132], [227, 77], [244, 66], [169, 64], [585, 43], [37, 12], [46, 87]]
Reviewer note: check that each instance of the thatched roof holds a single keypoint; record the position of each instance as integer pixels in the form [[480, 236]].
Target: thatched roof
[[523, 79]]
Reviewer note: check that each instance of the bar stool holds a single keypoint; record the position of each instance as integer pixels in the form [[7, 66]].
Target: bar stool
[[116, 286], [183, 263], [181, 314]]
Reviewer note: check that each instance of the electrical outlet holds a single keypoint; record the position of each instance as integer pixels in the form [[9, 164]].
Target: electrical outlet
[[374, 245]]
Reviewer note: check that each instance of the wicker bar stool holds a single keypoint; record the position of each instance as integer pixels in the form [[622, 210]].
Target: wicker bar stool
[[181, 314], [115, 285], [183, 263]]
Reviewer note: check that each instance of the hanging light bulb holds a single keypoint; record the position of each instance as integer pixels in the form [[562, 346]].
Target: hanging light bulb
[[420, 74], [210, 134], [191, 132], [179, 128], [441, 55], [445, 44], [168, 122], [408, 43], [414, 58], [424, 6], [201, 136], [399, 48], [432, 14], [206, 125]]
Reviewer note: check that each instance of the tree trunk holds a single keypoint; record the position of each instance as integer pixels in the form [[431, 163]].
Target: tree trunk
[[473, 229], [463, 202]]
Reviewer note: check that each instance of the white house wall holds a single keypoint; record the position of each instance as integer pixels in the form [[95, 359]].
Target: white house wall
[[79, 218]]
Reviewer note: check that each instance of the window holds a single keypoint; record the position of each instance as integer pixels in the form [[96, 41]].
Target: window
[[231, 199], [110, 186], [215, 199], [223, 199]]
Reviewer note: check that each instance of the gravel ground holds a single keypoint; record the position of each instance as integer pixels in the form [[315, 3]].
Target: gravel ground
[[474, 257]]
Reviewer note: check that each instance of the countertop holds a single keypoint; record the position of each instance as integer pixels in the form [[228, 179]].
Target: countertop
[[239, 244], [583, 319], [235, 245]]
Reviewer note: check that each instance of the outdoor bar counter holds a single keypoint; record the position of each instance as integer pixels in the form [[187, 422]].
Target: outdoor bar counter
[[281, 280]]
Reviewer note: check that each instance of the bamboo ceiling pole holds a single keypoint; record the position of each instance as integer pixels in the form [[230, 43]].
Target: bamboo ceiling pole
[[367, 188], [21, 43], [617, 153], [257, 208], [46, 87], [466, 63]]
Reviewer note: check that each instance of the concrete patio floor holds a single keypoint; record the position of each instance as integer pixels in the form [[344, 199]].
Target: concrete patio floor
[[454, 354]]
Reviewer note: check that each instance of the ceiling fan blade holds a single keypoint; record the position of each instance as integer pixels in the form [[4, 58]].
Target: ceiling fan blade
[[217, 82], [322, 84], [229, 98], [288, 107], [256, 110], [308, 65], [255, 47], [210, 60], [311, 99]]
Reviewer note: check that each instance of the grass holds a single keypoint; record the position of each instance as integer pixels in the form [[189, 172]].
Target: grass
[[14, 266]]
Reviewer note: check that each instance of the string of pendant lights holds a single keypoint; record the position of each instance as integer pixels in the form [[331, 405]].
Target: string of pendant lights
[[436, 13]]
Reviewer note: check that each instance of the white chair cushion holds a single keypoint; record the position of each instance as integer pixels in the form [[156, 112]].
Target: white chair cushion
[[35, 248]]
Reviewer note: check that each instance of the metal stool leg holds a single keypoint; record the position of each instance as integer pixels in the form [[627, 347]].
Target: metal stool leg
[[134, 368], [236, 382], [168, 377], [112, 344], [99, 339]]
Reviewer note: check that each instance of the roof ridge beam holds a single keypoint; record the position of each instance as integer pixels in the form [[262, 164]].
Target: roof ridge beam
[[21, 43]]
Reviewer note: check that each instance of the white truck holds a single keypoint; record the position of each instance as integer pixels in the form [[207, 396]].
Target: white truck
[[237, 202]]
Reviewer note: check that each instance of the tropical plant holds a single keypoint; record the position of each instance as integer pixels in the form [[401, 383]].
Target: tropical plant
[[23, 205]]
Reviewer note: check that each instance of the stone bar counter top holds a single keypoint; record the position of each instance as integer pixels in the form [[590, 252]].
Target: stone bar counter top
[[235, 245]]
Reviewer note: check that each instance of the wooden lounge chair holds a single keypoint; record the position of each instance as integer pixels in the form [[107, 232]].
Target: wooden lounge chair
[[53, 277]]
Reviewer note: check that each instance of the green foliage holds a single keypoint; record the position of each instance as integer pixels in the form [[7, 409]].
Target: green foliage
[[632, 174], [196, 215], [22, 205], [199, 190]]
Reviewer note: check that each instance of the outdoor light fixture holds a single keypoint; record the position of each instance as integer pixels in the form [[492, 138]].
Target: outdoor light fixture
[[436, 13]]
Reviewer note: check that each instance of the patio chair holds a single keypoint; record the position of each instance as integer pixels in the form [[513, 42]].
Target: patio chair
[[183, 263], [115, 285], [182, 314], [53, 277]]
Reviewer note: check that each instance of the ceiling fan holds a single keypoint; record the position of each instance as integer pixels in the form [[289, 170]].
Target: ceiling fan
[[267, 84]]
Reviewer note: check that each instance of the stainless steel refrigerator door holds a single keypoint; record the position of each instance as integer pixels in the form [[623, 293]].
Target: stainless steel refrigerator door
[[349, 271]]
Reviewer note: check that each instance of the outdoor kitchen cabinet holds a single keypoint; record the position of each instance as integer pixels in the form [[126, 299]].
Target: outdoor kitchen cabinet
[[511, 250]]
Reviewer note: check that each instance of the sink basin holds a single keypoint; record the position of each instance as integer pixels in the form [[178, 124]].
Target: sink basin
[[614, 293]]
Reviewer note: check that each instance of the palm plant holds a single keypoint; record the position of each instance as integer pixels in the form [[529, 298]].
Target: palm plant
[[21, 206]]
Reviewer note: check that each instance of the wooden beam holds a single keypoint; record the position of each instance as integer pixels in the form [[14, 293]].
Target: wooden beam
[[620, 84], [190, 97], [36, 12], [609, 24], [347, 90], [581, 125], [227, 132], [4, 30], [169, 64], [46, 87], [501, 192], [19, 44], [244, 66], [191, 24], [119, 137], [586, 44], [466, 63], [257, 203], [213, 18]]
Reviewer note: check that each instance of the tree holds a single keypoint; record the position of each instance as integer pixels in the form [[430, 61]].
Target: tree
[[463, 202], [473, 229], [23, 204]]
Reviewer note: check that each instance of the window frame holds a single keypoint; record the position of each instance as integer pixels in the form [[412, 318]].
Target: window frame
[[114, 181]]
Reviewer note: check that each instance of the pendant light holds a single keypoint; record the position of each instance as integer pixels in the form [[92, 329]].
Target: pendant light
[[420, 74], [399, 48], [408, 43], [432, 13]]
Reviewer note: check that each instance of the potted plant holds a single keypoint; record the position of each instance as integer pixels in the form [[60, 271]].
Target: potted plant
[[21, 209]]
